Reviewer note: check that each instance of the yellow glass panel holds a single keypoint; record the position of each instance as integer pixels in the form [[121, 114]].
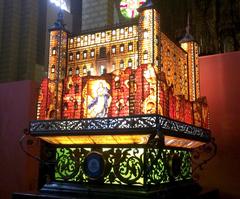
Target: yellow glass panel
[[97, 139]]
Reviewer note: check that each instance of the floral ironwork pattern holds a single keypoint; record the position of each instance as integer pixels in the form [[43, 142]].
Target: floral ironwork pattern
[[123, 166], [138, 123], [69, 165]]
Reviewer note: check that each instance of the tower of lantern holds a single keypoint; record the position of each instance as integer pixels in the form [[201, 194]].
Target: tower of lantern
[[191, 47], [56, 68]]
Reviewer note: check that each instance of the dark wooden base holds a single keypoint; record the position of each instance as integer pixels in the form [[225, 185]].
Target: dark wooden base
[[71, 191]]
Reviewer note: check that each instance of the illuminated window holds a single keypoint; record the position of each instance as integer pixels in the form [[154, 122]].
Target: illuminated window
[[53, 69], [71, 40], [130, 29], [130, 46], [92, 53], [86, 38], [84, 54], [114, 32], [103, 52], [77, 71], [130, 63], [121, 64], [122, 48], [121, 31], [102, 69], [145, 55], [76, 88], [103, 34], [145, 34], [113, 49], [78, 55], [91, 69], [54, 51], [70, 57], [113, 66], [70, 72], [78, 39]]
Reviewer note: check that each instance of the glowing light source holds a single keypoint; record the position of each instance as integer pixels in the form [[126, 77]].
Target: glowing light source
[[61, 4], [129, 8], [97, 139]]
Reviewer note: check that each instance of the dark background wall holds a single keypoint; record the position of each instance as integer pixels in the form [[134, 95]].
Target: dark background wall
[[220, 83]]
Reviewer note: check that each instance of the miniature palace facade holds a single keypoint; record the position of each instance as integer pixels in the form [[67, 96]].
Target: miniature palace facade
[[121, 105]]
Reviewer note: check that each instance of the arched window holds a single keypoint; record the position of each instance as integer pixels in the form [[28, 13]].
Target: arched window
[[70, 57], [78, 55], [145, 34], [122, 48], [70, 72], [77, 71], [103, 52], [53, 69], [65, 106], [114, 49], [91, 70], [54, 51], [85, 54], [145, 55], [52, 114], [130, 63], [121, 64], [113, 66], [130, 46], [92, 53]]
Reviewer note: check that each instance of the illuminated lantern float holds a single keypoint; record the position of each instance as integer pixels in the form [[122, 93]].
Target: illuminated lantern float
[[121, 106]]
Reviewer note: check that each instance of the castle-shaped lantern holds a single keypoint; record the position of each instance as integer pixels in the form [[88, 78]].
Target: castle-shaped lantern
[[122, 105]]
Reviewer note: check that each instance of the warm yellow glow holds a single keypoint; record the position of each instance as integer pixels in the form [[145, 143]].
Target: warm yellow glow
[[181, 142], [184, 46], [97, 139]]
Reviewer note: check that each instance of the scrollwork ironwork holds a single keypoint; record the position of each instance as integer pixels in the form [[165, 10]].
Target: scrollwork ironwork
[[202, 155], [69, 164], [143, 123]]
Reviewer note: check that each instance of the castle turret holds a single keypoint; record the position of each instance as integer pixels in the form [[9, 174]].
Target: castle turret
[[191, 47], [56, 66], [149, 34]]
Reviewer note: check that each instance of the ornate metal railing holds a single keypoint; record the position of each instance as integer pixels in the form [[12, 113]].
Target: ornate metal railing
[[119, 125]]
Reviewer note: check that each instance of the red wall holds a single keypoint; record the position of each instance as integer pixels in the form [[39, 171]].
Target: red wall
[[220, 82], [17, 107]]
